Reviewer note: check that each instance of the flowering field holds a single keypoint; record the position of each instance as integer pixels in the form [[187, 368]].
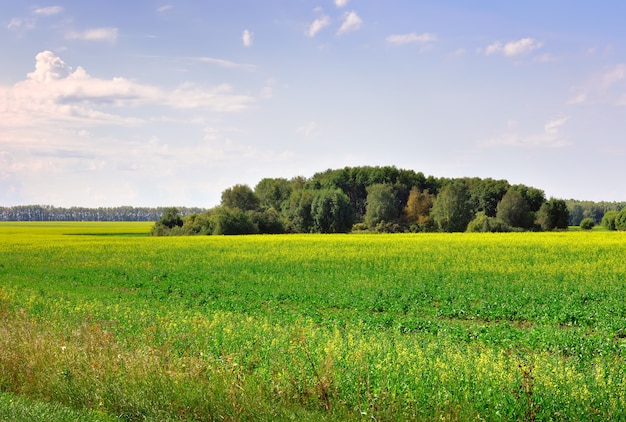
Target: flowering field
[[98, 318]]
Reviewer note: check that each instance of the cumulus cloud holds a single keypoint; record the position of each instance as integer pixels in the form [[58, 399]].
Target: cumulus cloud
[[341, 3], [96, 34], [56, 92], [317, 25], [412, 37], [351, 22], [246, 37], [513, 48], [549, 138]]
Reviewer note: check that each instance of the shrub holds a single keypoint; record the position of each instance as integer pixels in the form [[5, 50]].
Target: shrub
[[608, 221], [587, 224]]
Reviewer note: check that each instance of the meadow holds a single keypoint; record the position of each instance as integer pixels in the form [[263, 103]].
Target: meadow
[[99, 321]]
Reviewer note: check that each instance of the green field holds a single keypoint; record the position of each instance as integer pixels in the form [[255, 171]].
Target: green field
[[101, 322]]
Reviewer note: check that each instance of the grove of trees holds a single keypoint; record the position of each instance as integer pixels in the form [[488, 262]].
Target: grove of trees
[[375, 199]]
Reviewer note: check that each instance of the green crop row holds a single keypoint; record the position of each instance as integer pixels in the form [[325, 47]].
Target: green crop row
[[511, 326]]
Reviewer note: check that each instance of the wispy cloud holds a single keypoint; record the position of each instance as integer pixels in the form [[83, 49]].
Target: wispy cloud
[[48, 11], [341, 3], [164, 8], [513, 48], [412, 38], [20, 24], [317, 25], [228, 64], [606, 87], [246, 37], [351, 22], [549, 138], [96, 34]]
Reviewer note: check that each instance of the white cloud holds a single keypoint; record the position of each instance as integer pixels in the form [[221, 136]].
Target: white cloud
[[607, 87], [307, 130], [549, 138], [317, 25], [48, 11], [351, 22], [246, 37], [54, 92], [225, 63], [96, 34], [18, 24], [164, 8], [412, 38], [513, 48], [341, 3]]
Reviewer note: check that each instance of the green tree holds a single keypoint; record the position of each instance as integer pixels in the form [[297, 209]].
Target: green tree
[[267, 221], [553, 215], [231, 221], [486, 193], [382, 205], [331, 212], [482, 223], [587, 224], [452, 209], [169, 220], [620, 220], [272, 193], [608, 221], [240, 196], [297, 211], [514, 211]]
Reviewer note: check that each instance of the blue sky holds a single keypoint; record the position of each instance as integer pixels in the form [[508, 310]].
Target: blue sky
[[157, 103]]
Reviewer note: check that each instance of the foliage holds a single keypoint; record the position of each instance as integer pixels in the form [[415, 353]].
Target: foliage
[[483, 223], [608, 220], [553, 215], [98, 321], [514, 210], [232, 221], [587, 224], [241, 197], [620, 220], [451, 209], [418, 206], [331, 212], [382, 205], [272, 193]]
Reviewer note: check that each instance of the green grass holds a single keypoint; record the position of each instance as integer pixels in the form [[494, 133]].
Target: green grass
[[515, 326]]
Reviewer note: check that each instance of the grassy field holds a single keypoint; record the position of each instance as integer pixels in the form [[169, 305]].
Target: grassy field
[[101, 322]]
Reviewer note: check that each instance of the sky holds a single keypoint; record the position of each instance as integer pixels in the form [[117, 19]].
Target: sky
[[169, 103]]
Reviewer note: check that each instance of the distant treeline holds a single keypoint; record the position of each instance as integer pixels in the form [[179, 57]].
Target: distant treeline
[[386, 199], [50, 213]]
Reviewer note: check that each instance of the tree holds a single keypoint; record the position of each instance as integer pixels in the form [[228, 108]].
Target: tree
[[240, 196], [553, 215], [418, 206], [486, 193], [587, 224], [620, 220], [230, 221], [267, 222], [451, 209], [381, 205], [169, 220], [482, 223], [514, 210], [608, 221], [273, 192], [331, 212], [297, 211]]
